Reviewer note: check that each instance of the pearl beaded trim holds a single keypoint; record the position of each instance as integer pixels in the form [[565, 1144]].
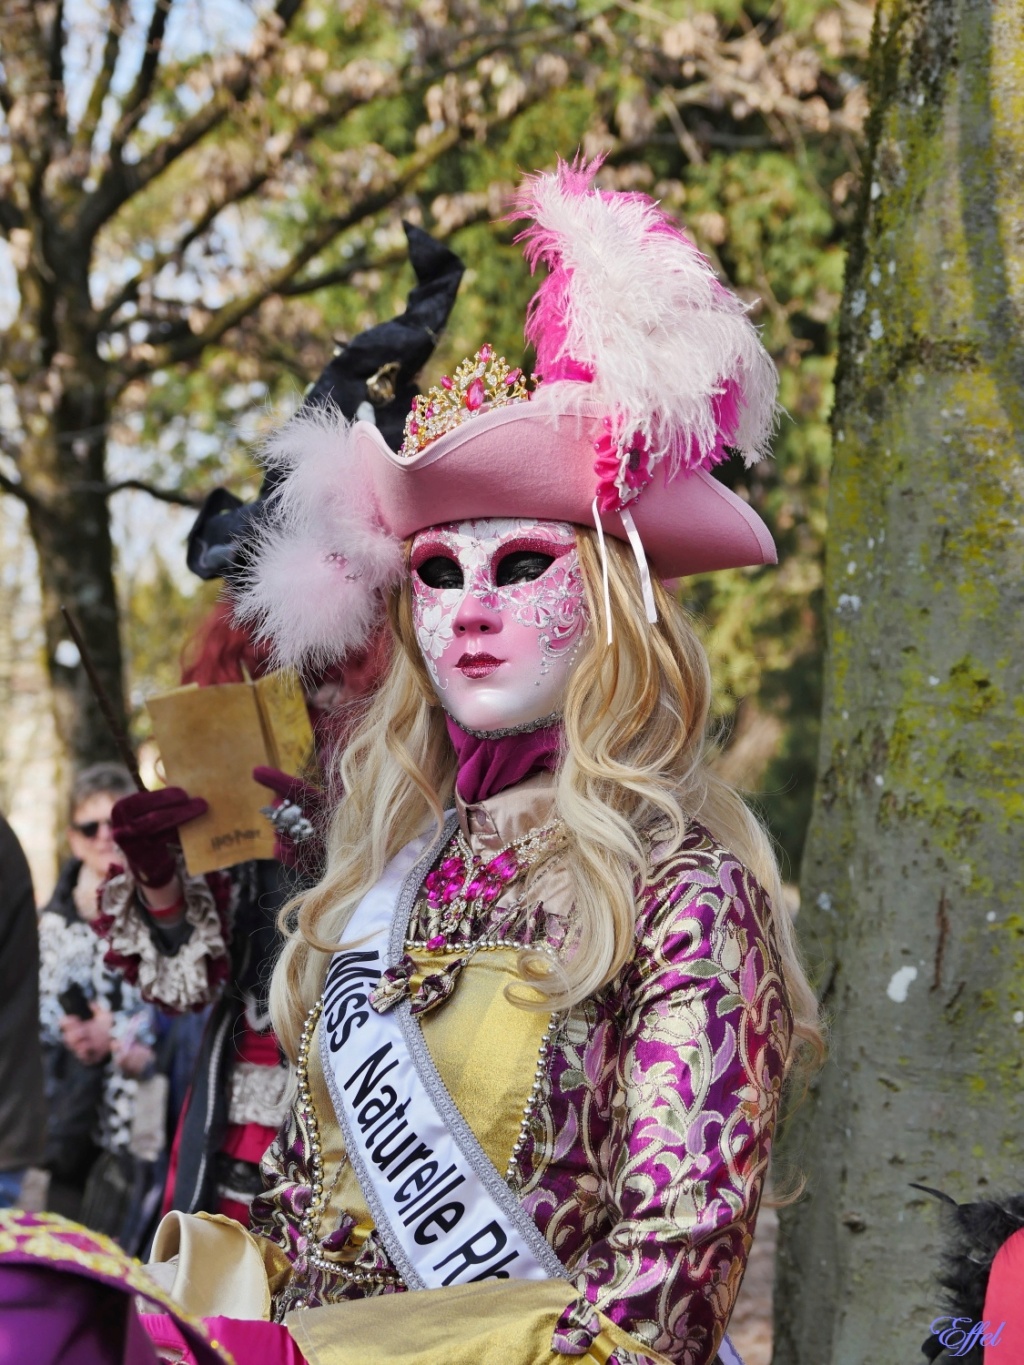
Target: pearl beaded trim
[[314, 1211], [320, 1197], [533, 1099], [474, 944]]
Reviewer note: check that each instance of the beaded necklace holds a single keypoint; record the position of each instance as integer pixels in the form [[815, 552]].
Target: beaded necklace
[[320, 1195]]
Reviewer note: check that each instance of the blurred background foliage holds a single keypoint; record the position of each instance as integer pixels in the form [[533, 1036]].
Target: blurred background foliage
[[743, 118]]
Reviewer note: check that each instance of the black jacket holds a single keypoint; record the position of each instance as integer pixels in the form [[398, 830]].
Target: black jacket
[[74, 1091], [21, 1067], [263, 887]]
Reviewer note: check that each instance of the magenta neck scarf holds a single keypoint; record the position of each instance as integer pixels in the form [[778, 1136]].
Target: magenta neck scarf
[[488, 766]]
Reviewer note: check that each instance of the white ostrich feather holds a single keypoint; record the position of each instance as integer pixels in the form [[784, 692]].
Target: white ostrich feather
[[642, 308]]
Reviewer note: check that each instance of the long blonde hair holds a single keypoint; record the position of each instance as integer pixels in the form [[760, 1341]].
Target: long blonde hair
[[636, 763]]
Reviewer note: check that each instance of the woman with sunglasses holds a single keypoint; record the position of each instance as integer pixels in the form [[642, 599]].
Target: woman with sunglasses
[[96, 1030]]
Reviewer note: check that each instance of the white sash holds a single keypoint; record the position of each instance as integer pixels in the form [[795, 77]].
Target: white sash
[[445, 1214]]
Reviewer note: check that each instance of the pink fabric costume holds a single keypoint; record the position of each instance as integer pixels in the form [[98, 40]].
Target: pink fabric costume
[[649, 1145], [265, 1342], [641, 1154], [69, 1296]]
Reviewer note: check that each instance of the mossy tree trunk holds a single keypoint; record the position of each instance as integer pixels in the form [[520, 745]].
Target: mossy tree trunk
[[913, 915]]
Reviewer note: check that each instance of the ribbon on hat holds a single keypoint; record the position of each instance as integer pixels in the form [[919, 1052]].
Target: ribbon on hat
[[637, 546], [604, 568], [639, 554]]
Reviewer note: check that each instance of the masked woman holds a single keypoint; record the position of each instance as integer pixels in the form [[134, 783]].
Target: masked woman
[[543, 1001]]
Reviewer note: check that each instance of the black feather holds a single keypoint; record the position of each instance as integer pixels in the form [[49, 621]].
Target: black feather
[[975, 1233], [221, 540]]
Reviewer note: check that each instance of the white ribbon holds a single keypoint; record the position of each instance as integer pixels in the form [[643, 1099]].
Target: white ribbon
[[604, 568], [444, 1213], [641, 563]]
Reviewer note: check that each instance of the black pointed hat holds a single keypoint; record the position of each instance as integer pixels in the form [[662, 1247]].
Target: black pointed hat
[[371, 378]]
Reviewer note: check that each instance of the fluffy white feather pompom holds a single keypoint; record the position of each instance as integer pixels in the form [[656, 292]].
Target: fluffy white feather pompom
[[323, 559]]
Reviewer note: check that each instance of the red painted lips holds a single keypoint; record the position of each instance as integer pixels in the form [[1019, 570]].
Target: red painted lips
[[478, 665]]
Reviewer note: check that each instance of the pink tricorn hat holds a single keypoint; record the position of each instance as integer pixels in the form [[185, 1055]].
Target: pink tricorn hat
[[537, 460], [652, 374]]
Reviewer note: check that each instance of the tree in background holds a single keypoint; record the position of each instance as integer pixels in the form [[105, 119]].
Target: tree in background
[[913, 876], [191, 218]]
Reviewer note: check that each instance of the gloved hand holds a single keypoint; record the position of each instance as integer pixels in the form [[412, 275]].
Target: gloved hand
[[298, 815], [89, 1039], [145, 829], [296, 791]]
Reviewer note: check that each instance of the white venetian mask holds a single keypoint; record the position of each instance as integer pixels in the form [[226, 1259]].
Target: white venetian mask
[[500, 612]]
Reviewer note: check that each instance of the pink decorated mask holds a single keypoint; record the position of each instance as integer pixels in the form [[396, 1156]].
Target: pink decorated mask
[[500, 614]]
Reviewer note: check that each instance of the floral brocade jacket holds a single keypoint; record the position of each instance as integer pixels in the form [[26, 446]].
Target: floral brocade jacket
[[642, 1150]]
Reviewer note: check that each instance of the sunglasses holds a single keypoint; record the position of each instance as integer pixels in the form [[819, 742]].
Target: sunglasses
[[90, 828]]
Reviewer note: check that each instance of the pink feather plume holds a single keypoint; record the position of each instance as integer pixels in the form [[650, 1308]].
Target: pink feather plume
[[633, 312]]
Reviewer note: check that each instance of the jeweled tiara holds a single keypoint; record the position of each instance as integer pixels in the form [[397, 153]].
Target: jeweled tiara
[[480, 383]]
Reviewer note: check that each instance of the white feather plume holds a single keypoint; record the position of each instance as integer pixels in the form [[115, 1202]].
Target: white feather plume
[[633, 300]]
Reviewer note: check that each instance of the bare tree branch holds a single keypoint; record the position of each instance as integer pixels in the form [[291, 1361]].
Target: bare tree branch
[[171, 495], [237, 193], [327, 279], [687, 142], [15, 489], [33, 41], [231, 314], [11, 217], [55, 59], [86, 130], [134, 104], [120, 181], [130, 289]]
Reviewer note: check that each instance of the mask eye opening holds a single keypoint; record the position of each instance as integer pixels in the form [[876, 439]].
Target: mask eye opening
[[521, 566], [440, 572]]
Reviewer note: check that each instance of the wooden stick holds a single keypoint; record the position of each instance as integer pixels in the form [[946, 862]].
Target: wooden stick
[[99, 691]]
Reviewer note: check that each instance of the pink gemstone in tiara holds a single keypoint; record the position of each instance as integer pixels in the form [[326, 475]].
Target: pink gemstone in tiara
[[481, 382]]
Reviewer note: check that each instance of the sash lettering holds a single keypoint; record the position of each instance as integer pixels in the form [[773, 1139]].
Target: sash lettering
[[443, 1212]]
